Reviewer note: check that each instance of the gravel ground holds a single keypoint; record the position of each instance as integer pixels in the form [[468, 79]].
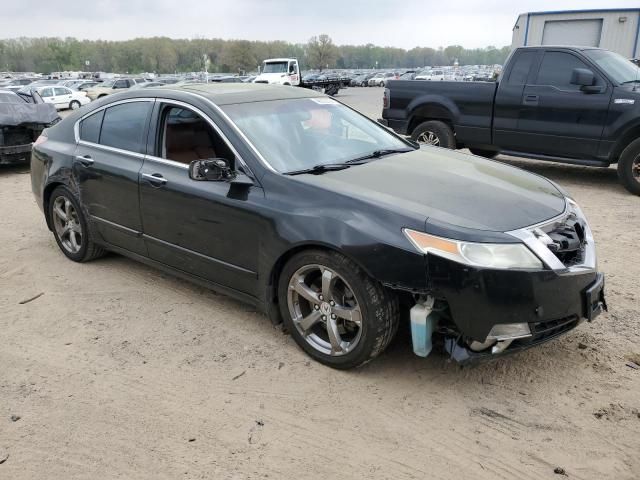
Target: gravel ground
[[118, 371]]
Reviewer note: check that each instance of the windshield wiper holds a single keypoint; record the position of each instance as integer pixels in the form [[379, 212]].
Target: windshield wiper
[[631, 81], [380, 153], [324, 167]]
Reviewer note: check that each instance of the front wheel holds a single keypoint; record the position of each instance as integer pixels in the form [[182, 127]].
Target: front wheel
[[335, 312], [629, 167], [434, 133]]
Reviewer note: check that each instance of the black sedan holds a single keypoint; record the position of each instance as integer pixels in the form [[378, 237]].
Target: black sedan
[[324, 219]]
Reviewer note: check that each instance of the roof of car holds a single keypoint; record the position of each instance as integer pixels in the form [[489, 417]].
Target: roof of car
[[229, 93]]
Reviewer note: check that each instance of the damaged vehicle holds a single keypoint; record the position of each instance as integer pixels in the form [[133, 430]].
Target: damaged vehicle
[[23, 117], [321, 218]]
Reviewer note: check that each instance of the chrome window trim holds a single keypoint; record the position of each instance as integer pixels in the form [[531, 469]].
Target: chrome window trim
[[76, 126], [210, 122], [164, 161], [112, 149]]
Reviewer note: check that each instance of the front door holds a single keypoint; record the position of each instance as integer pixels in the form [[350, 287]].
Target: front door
[[108, 159], [209, 229], [558, 118]]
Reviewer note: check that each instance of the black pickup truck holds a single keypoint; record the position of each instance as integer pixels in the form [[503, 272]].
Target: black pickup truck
[[564, 104]]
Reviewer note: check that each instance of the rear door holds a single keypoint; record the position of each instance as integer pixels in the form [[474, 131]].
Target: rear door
[[62, 97], [508, 102], [556, 117], [109, 156]]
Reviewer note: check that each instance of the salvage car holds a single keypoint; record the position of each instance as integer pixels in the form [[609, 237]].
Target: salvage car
[[322, 218], [22, 119], [112, 86]]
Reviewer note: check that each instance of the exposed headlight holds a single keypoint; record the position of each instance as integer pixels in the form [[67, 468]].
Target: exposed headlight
[[488, 255]]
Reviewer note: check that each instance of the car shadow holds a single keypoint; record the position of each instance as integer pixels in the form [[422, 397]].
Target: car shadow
[[6, 170]]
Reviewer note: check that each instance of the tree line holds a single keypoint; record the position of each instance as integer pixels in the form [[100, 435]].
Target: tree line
[[167, 55]]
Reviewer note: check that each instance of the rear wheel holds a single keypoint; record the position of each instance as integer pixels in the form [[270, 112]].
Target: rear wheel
[[335, 312], [629, 167], [483, 153], [74, 105], [434, 133], [70, 227]]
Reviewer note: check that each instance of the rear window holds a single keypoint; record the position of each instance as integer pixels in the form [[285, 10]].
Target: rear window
[[521, 67], [124, 126]]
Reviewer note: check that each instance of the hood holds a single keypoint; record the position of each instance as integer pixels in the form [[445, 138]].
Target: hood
[[447, 187], [270, 77], [14, 114]]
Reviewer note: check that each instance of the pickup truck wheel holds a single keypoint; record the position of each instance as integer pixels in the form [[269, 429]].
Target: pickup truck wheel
[[335, 312], [434, 133], [483, 153], [629, 167]]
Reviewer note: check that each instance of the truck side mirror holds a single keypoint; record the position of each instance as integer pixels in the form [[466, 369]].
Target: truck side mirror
[[582, 77], [292, 68]]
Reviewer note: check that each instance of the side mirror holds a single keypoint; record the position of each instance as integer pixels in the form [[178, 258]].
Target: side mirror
[[582, 77], [212, 170]]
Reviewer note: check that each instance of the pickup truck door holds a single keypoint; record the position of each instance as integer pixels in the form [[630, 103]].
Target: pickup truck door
[[558, 118]]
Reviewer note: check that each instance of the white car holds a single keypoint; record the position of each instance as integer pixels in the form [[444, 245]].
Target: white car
[[63, 97]]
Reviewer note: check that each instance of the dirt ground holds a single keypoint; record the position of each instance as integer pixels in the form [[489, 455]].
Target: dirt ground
[[119, 371]]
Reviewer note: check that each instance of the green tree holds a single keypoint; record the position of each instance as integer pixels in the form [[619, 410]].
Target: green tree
[[321, 52]]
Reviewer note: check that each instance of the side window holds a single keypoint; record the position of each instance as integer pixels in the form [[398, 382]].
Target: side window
[[186, 136], [47, 92], [61, 91], [556, 69], [120, 84], [90, 127], [124, 126], [520, 70]]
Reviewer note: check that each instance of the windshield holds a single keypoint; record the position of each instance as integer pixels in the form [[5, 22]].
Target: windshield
[[301, 133], [275, 67], [619, 68]]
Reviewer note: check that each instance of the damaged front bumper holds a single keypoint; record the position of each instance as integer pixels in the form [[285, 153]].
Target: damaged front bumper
[[484, 313], [15, 154]]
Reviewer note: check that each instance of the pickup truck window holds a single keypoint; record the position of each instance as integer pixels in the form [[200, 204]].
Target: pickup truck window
[[619, 68], [556, 69], [520, 70]]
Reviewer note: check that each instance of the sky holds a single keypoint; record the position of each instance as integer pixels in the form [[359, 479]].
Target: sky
[[405, 23]]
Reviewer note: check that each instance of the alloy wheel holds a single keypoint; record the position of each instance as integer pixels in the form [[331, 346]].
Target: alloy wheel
[[428, 138], [635, 169], [324, 310], [67, 224]]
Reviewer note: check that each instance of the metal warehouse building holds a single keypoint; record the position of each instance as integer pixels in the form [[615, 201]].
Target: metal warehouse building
[[615, 29]]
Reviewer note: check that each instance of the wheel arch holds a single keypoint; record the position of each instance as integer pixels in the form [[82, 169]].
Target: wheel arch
[[271, 297], [432, 110], [630, 135]]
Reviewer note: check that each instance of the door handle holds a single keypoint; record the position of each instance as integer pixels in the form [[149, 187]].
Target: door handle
[[531, 99], [154, 178], [86, 160]]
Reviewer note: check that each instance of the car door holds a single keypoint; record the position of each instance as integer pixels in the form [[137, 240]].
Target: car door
[[108, 159], [208, 229], [558, 118], [508, 102], [47, 95], [62, 97]]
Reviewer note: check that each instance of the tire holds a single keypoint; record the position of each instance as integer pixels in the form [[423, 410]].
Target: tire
[[356, 296], [483, 153], [434, 133], [382, 84], [103, 95], [74, 105], [78, 229], [629, 167]]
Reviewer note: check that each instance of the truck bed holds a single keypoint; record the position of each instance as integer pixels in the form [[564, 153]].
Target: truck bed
[[470, 106]]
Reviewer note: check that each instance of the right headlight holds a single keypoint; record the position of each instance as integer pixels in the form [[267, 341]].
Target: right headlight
[[487, 255]]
